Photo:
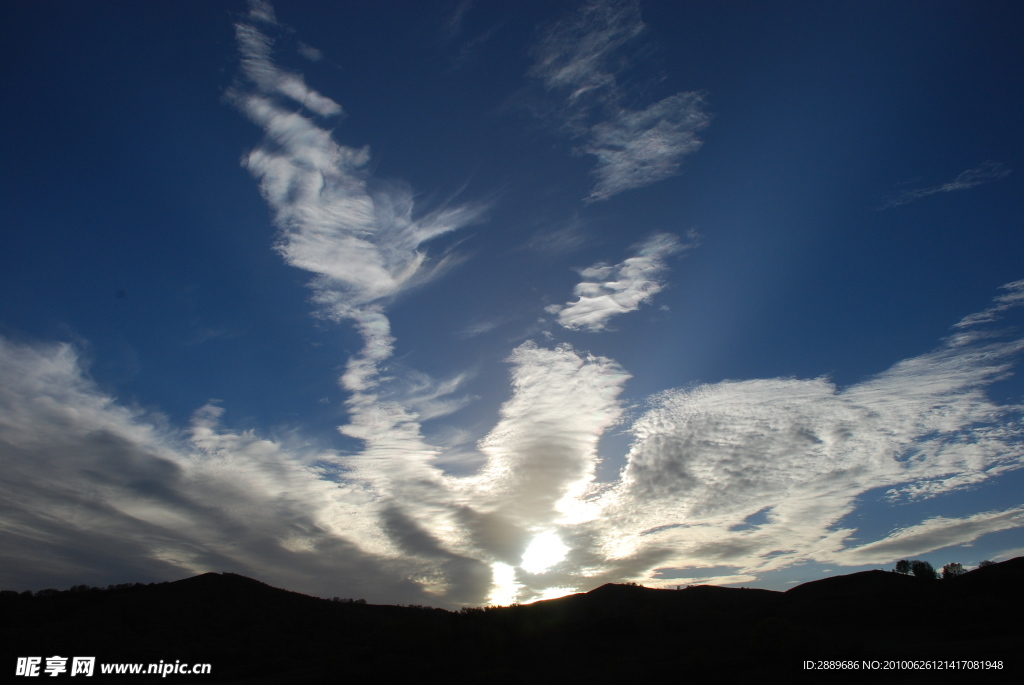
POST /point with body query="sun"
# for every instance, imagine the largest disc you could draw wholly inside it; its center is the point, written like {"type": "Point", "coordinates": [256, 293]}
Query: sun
{"type": "Point", "coordinates": [543, 552]}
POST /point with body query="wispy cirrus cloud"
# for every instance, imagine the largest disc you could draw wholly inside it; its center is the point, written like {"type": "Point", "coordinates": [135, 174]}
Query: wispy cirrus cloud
{"type": "Point", "coordinates": [985, 173]}
{"type": "Point", "coordinates": [610, 290]}
{"type": "Point", "coordinates": [452, 26]}
{"type": "Point", "coordinates": [580, 59]}
{"type": "Point", "coordinates": [309, 52]}
{"type": "Point", "coordinates": [637, 148]}
{"type": "Point", "coordinates": [479, 328]}
{"type": "Point", "coordinates": [262, 11]}
{"type": "Point", "coordinates": [1013, 297]}
{"type": "Point", "coordinates": [931, 534]}
{"type": "Point", "coordinates": [576, 53]}
{"type": "Point", "coordinates": [561, 240]}
{"type": "Point", "coordinates": [361, 240]}
{"type": "Point", "coordinates": [257, 66]}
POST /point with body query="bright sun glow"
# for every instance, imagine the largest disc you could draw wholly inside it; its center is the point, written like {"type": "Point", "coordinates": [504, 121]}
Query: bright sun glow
{"type": "Point", "coordinates": [506, 589]}
{"type": "Point", "coordinates": [544, 551]}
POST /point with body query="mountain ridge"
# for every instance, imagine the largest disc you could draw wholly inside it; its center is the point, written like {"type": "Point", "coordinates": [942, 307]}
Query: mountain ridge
{"type": "Point", "coordinates": [253, 632]}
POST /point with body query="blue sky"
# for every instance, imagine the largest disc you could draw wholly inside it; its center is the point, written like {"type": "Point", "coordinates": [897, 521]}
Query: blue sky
{"type": "Point", "coordinates": [468, 302]}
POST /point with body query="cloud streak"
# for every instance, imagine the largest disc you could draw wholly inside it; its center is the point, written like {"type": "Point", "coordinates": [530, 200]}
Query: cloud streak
{"type": "Point", "coordinates": [580, 59]}
{"type": "Point", "coordinates": [1013, 297]}
{"type": "Point", "coordinates": [985, 173]}
{"type": "Point", "coordinates": [934, 533]}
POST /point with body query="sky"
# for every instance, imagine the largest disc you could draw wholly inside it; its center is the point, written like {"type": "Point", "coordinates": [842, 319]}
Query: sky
{"type": "Point", "coordinates": [475, 302]}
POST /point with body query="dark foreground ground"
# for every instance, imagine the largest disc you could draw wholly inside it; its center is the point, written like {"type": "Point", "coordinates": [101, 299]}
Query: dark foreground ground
{"type": "Point", "coordinates": [253, 633]}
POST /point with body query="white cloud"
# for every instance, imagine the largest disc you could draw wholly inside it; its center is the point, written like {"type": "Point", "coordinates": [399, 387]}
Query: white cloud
{"type": "Point", "coordinates": [542, 454]}
{"type": "Point", "coordinates": [362, 242]}
{"type": "Point", "coordinates": [705, 459]}
{"type": "Point", "coordinates": [635, 149]}
{"type": "Point", "coordinates": [932, 534]}
{"type": "Point", "coordinates": [581, 58]}
{"type": "Point", "coordinates": [364, 245]}
{"type": "Point", "coordinates": [427, 397]}
{"type": "Point", "coordinates": [262, 11]}
{"type": "Point", "coordinates": [672, 583]}
{"type": "Point", "coordinates": [1013, 297]}
{"type": "Point", "coordinates": [309, 52]}
{"type": "Point", "coordinates": [986, 173]}
{"type": "Point", "coordinates": [1007, 554]}
{"type": "Point", "coordinates": [575, 54]}
{"type": "Point", "coordinates": [479, 328]}
{"type": "Point", "coordinates": [611, 290]}
{"type": "Point", "coordinates": [94, 492]}
{"type": "Point", "coordinates": [257, 66]}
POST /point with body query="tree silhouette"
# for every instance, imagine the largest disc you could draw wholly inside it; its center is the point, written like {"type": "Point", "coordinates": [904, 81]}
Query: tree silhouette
{"type": "Point", "coordinates": [952, 570]}
{"type": "Point", "coordinates": [903, 566]}
{"type": "Point", "coordinates": [922, 569]}
{"type": "Point", "coordinates": [986, 563]}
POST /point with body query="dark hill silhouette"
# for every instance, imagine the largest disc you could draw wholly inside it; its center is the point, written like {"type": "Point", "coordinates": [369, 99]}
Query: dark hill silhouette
{"type": "Point", "coordinates": [1011, 571]}
{"type": "Point", "coordinates": [865, 583]}
{"type": "Point", "coordinates": [254, 633]}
